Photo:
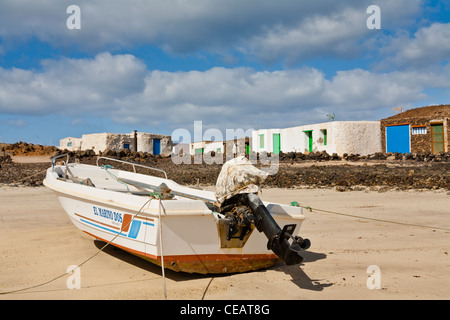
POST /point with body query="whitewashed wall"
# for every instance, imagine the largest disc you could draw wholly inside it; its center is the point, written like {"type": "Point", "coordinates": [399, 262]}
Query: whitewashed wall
{"type": "Point", "coordinates": [145, 142]}
{"type": "Point", "coordinates": [357, 137]}
{"type": "Point", "coordinates": [268, 139]}
{"type": "Point", "coordinates": [70, 143]}
{"type": "Point", "coordinates": [99, 142]}
{"type": "Point", "coordinates": [362, 137]}
{"type": "Point", "coordinates": [115, 141]}
{"type": "Point", "coordinates": [208, 146]}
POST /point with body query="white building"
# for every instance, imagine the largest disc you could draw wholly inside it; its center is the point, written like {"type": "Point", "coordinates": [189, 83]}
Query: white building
{"type": "Point", "coordinates": [70, 143]}
{"type": "Point", "coordinates": [236, 145]}
{"type": "Point", "coordinates": [136, 141]}
{"type": "Point", "coordinates": [202, 147]}
{"type": "Point", "coordinates": [352, 137]}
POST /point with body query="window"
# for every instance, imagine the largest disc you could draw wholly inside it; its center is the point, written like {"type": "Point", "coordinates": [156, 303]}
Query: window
{"type": "Point", "coordinates": [69, 144]}
{"type": "Point", "coordinates": [324, 136]}
{"type": "Point", "coordinates": [126, 146]}
{"type": "Point", "coordinates": [261, 141]}
{"type": "Point", "coordinates": [419, 130]}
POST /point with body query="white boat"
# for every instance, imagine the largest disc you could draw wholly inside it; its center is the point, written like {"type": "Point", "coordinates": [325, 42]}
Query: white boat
{"type": "Point", "coordinates": [159, 220]}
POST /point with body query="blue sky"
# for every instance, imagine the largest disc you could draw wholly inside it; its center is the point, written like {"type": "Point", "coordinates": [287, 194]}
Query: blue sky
{"type": "Point", "coordinates": [160, 65]}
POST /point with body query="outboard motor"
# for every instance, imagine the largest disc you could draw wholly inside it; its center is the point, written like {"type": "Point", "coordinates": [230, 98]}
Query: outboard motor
{"type": "Point", "coordinates": [247, 210]}
{"type": "Point", "coordinates": [236, 192]}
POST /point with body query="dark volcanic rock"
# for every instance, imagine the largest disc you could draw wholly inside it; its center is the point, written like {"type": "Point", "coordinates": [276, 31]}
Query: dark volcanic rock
{"type": "Point", "coordinates": [295, 171]}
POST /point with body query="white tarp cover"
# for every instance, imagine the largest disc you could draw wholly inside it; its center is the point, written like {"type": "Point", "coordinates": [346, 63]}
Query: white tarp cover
{"type": "Point", "coordinates": [237, 176]}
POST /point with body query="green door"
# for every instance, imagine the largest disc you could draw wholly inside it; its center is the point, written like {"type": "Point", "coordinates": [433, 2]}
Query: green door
{"type": "Point", "coordinates": [276, 143]}
{"type": "Point", "coordinates": [200, 151]}
{"type": "Point", "coordinates": [310, 140]}
{"type": "Point", "coordinates": [437, 138]}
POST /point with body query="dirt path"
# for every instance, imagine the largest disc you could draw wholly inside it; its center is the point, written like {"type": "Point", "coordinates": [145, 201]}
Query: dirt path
{"type": "Point", "coordinates": [31, 159]}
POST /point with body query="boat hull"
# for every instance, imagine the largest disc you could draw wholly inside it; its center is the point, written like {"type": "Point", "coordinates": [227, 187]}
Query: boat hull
{"type": "Point", "coordinates": [189, 230]}
{"type": "Point", "coordinates": [207, 263]}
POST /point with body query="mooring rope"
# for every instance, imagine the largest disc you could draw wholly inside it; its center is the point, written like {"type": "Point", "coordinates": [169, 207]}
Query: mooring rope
{"type": "Point", "coordinates": [85, 261]}
{"type": "Point", "coordinates": [310, 209]}
{"type": "Point", "coordinates": [161, 249]}
{"type": "Point", "coordinates": [153, 195]}
{"type": "Point", "coordinates": [27, 177]}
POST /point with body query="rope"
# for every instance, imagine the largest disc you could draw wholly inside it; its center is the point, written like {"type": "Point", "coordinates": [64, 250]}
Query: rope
{"type": "Point", "coordinates": [106, 167]}
{"type": "Point", "coordinates": [161, 249]}
{"type": "Point", "coordinates": [206, 289]}
{"type": "Point", "coordinates": [85, 261]}
{"type": "Point", "coordinates": [40, 172]}
{"type": "Point", "coordinates": [153, 195]}
{"type": "Point", "coordinates": [296, 204]}
{"type": "Point", "coordinates": [27, 177]}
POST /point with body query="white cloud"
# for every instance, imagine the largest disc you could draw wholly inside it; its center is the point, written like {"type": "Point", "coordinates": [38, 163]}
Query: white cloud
{"type": "Point", "coordinates": [335, 35]}
{"type": "Point", "coordinates": [269, 30]}
{"type": "Point", "coordinates": [120, 87]}
{"type": "Point", "coordinates": [429, 45]}
{"type": "Point", "coordinates": [220, 95]}
{"type": "Point", "coordinates": [71, 85]}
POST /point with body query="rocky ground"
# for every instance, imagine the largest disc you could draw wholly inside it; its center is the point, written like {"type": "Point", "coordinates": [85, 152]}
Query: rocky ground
{"type": "Point", "coordinates": [28, 149]}
{"type": "Point", "coordinates": [380, 172]}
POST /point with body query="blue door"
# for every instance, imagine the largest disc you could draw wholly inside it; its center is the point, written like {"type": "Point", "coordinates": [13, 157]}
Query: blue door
{"type": "Point", "coordinates": [156, 146]}
{"type": "Point", "coordinates": [397, 139]}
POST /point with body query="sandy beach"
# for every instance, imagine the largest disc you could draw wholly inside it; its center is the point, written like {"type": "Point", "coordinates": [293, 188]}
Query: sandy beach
{"type": "Point", "coordinates": [38, 243]}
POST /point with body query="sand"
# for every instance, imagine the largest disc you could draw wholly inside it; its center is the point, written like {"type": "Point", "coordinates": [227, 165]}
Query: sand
{"type": "Point", "coordinates": [38, 243]}
{"type": "Point", "coordinates": [31, 159]}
